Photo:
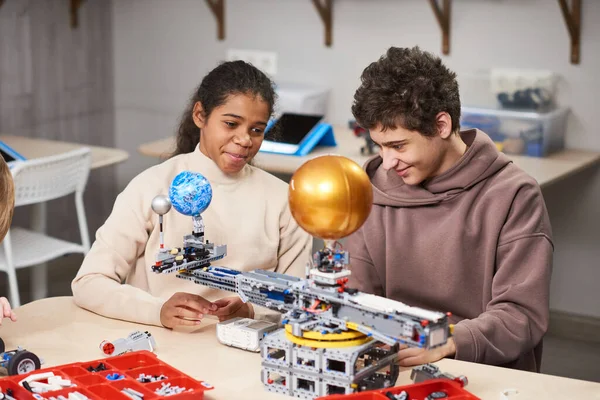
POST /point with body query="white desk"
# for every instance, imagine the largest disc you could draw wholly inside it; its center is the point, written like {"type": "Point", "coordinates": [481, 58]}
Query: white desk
{"type": "Point", "coordinates": [545, 171]}
{"type": "Point", "coordinates": [32, 148]}
{"type": "Point", "coordinates": [60, 333]}
{"type": "Point", "coordinates": [35, 148]}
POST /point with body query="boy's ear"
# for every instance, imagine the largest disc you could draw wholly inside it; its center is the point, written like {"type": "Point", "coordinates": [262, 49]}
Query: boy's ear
{"type": "Point", "coordinates": [198, 115]}
{"type": "Point", "coordinates": [443, 122]}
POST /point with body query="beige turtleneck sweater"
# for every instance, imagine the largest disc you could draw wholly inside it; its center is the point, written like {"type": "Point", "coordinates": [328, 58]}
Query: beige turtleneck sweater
{"type": "Point", "coordinates": [249, 213]}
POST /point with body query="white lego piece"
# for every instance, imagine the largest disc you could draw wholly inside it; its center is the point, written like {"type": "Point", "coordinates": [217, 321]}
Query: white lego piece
{"type": "Point", "coordinates": [136, 341]}
{"type": "Point", "coordinates": [35, 377]}
{"type": "Point", "coordinates": [77, 396]}
{"type": "Point", "coordinates": [41, 387]}
{"type": "Point", "coordinates": [131, 395]}
{"type": "Point", "coordinates": [244, 333]}
{"type": "Point", "coordinates": [58, 380]}
{"type": "Point", "coordinates": [329, 278]}
{"type": "Point", "coordinates": [134, 392]}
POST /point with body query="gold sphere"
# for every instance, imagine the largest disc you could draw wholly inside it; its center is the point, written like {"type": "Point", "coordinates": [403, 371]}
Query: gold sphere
{"type": "Point", "coordinates": [330, 197]}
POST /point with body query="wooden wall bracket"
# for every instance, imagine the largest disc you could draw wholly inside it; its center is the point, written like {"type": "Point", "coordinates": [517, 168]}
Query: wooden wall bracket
{"type": "Point", "coordinates": [218, 9]}
{"type": "Point", "coordinates": [74, 11]}
{"type": "Point", "coordinates": [573, 21]}
{"type": "Point", "coordinates": [325, 11]}
{"type": "Point", "coordinates": [443, 18]}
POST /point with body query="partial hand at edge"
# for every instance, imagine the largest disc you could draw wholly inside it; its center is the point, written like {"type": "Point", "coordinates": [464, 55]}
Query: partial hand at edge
{"type": "Point", "coordinates": [412, 356]}
{"type": "Point", "coordinates": [7, 311]}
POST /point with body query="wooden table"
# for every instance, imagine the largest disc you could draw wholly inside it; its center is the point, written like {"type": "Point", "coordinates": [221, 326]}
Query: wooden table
{"type": "Point", "coordinates": [59, 332]}
{"type": "Point", "coordinates": [36, 148]}
{"type": "Point", "coordinates": [545, 171]}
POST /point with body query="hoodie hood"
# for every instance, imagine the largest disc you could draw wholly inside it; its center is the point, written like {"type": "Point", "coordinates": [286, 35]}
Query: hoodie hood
{"type": "Point", "coordinates": [481, 160]}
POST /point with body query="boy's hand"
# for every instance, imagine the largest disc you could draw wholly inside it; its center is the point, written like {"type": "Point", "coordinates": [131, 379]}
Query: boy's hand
{"type": "Point", "coordinates": [7, 311]}
{"type": "Point", "coordinates": [185, 309]}
{"type": "Point", "coordinates": [411, 357]}
{"type": "Point", "coordinates": [232, 307]}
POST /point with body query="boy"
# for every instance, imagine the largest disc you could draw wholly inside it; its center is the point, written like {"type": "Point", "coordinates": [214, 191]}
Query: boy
{"type": "Point", "coordinates": [455, 225]}
{"type": "Point", "coordinates": [7, 206]}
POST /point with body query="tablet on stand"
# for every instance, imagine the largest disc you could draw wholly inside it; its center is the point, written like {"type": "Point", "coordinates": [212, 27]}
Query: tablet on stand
{"type": "Point", "coordinates": [297, 134]}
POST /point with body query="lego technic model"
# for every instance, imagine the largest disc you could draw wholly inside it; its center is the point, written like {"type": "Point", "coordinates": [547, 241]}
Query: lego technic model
{"type": "Point", "coordinates": [334, 339]}
{"type": "Point", "coordinates": [134, 342]}
{"type": "Point", "coordinates": [19, 361]}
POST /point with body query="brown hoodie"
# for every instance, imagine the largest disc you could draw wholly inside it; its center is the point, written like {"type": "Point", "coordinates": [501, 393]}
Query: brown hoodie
{"type": "Point", "coordinates": [475, 241]}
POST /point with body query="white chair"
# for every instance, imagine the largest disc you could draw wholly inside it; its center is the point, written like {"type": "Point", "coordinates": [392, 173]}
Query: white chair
{"type": "Point", "coordinates": [36, 182]}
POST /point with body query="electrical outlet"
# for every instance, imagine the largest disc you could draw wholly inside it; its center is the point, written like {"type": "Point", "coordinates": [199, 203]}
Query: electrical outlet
{"type": "Point", "coordinates": [266, 61]}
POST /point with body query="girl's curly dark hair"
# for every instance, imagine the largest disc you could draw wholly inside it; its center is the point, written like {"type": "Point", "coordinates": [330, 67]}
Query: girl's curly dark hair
{"type": "Point", "coordinates": [407, 87]}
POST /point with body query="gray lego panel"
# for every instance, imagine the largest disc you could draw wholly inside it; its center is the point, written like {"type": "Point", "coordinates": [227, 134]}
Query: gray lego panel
{"type": "Point", "coordinates": [333, 386]}
{"type": "Point", "coordinates": [306, 386]}
{"type": "Point", "coordinates": [276, 350]}
{"type": "Point", "coordinates": [277, 275]}
{"type": "Point", "coordinates": [306, 359]}
{"type": "Point", "coordinates": [276, 380]}
{"type": "Point", "coordinates": [190, 277]}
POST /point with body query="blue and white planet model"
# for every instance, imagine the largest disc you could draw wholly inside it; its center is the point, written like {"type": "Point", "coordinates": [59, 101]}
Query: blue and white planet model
{"type": "Point", "coordinates": [190, 193]}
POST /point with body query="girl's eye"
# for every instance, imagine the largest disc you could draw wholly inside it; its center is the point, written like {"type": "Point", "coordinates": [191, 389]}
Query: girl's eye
{"type": "Point", "coordinates": [230, 124]}
{"type": "Point", "coordinates": [257, 130]}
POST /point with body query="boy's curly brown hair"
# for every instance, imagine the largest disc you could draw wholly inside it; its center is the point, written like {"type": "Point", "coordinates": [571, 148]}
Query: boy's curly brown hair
{"type": "Point", "coordinates": [7, 198]}
{"type": "Point", "coordinates": [407, 87]}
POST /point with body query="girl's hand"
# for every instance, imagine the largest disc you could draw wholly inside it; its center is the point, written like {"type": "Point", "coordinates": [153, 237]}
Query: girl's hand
{"type": "Point", "coordinates": [232, 307]}
{"type": "Point", "coordinates": [185, 309]}
{"type": "Point", "coordinates": [7, 311]}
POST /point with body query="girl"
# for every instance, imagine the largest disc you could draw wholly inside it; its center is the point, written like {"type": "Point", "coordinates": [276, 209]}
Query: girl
{"type": "Point", "coordinates": [7, 208]}
{"type": "Point", "coordinates": [221, 131]}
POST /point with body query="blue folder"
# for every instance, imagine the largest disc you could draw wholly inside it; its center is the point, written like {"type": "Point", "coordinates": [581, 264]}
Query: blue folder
{"type": "Point", "coordinates": [10, 155]}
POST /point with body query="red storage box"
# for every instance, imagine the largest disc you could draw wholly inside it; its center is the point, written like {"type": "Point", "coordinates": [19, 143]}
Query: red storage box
{"type": "Point", "coordinates": [417, 391]}
{"type": "Point", "coordinates": [130, 369]}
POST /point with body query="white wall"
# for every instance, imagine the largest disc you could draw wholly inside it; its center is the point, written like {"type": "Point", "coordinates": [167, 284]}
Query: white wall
{"type": "Point", "coordinates": [163, 48]}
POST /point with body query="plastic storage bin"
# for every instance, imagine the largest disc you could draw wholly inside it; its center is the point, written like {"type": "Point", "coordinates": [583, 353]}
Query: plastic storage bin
{"type": "Point", "coordinates": [120, 373]}
{"type": "Point", "coordinates": [427, 390]}
{"type": "Point", "coordinates": [520, 132]}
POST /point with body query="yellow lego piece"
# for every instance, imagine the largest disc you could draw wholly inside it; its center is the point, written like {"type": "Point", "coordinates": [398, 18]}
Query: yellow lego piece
{"type": "Point", "coordinates": [329, 336]}
{"type": "Point", "coordinates": [301, 341]}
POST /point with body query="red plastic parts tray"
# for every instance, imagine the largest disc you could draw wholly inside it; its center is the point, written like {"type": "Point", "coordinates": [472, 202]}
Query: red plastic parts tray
{"type": "Point", "coordinates": [96, 385]}
{"type": "Point", "coordinates": [416, 391]}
